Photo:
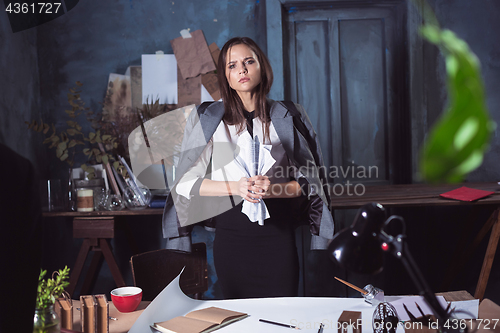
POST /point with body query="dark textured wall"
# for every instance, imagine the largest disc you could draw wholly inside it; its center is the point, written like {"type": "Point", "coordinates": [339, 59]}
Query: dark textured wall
{"type": "Point", "coordinates": [20, 91]}
{"type": "Point", "coordinates": [101, 37]}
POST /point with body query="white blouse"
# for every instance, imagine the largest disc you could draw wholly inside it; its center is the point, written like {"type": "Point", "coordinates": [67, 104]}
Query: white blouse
{"type": "Point", "coordinates": [221, 151]}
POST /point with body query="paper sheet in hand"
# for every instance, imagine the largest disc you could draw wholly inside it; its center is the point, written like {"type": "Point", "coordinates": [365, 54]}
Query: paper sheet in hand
{"type": "Point", "coordinates": [254, 159]}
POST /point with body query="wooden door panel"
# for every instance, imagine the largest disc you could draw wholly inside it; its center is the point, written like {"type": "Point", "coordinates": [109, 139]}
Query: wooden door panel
{"type": "Point", "coordinates": [342, 63]}
{"type": "Point", "coordinates": [363, 106]}
{"type": "Point", "coordinates": [340, 68]}
{"type": "Point", "coordinates": [313, 77]}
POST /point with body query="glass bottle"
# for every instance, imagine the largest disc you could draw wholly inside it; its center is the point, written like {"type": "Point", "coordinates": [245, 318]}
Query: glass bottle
{"type": "Point", "coordinates": [46, 321]}
{"type": "Point", "coordinates": [71, 192]}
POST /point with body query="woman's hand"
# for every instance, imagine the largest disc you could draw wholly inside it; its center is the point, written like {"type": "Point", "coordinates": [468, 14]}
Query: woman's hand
{"type": "Point", "coordinates": [254, 188]}
{"type": "Point", "coordinates": [262, 183]}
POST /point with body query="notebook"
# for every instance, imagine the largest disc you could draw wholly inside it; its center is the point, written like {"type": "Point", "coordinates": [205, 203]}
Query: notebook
{"type": "Point", "coordinates": [199, 321]}
{"type": "Point", "coordinates": [466, 194]}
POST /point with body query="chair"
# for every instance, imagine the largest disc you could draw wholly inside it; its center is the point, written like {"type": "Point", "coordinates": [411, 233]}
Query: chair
{"type": "Point", "coordinates": [153, 271]}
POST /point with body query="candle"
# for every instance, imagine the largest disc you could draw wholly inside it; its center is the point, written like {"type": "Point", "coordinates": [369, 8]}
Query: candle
{"type": "Point", "coordinates": [85, 200]}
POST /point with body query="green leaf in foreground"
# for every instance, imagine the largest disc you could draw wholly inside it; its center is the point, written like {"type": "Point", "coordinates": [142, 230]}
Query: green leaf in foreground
{"type": "Point", "coordinates": [458, 141]}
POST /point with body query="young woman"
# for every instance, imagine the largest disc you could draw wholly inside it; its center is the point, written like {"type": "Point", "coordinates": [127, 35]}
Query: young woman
{"type": "Point", "coordinates": [251, 259]}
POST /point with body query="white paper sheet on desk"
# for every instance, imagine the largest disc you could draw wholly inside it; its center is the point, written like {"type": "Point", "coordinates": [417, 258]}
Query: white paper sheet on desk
{"type": "Point", "coordinates": [305, 312]}
{"type": "Point", "coordinates": [466, 309]}
{"type": "Point", "coordinates": [170, 303]}
{"type": "Point", "coordinates": [409, 301]}
{"type": "Point", "coordinates": [253, 150]}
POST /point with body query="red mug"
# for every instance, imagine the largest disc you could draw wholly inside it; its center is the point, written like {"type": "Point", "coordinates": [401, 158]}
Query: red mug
{"type": "Point", "coordinates": [126, 299]}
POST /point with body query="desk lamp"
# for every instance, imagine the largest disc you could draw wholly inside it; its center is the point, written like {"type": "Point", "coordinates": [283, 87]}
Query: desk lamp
{"type": "Point", "coordinates": [360, 249]}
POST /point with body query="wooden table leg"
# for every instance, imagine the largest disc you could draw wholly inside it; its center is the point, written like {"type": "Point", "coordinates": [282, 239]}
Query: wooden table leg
{"type": "Point", "coordinates": [91, 276]}
{"type": "Point", "coordinates": [110, 259]}
{"type": "Point", "coordinates": [77, 269]}
{"type": "Point", "coordinates": [488, 258]}
{"type": "Point", "coordinates": [461, 258]}
{"type": "Point", "coordinates": [458, 261]}
{"type": "Point", "coordinates": [95, 231]}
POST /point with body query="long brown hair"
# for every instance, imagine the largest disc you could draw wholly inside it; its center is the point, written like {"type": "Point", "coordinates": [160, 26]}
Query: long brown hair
{"type": "Point", "coordinates": [233, 106]}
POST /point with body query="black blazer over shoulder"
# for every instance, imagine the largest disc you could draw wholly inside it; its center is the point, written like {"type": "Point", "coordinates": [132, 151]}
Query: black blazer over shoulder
{"type": "Point", "coordinates": [302, 147]}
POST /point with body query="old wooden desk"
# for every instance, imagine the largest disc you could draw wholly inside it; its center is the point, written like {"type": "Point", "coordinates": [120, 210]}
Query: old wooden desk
{"type": "Point", "coordinates": [409, 195]}
{"type": "Point", "coordinates": [487, 310]}
{"type": "Point", "coordinates": [96, 228]}
{"type": "Point", "coordinates": [412, 195]}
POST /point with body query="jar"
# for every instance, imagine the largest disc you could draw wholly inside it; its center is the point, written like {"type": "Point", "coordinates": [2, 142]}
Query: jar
{"type": "Point", "coordinates": [373, 295]}
{"type": "Point", "coordinates": [46, 321]}
{"type": "Point", "coordinates": [100, 198]}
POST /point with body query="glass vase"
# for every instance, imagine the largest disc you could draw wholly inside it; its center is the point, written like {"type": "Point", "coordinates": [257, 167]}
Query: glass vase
{"type": "Point", "coordinates": [114, 202]}
{"type": "Point", "coordinates": [137, 197]}
{"type": "Point", "coordinates": [46, 321]}
{"type": "Point", "coordinates": [71, 204]}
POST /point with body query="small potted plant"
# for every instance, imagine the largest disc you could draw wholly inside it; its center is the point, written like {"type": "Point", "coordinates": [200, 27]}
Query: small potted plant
{"type": "Point", "coordinates": [46, 319]}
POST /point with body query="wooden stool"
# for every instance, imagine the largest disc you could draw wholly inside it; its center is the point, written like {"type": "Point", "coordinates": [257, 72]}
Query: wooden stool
{"type": "Point", "coordinates": [95, 231]}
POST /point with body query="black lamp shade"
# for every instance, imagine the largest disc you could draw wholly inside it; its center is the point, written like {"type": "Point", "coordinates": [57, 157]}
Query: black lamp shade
{"type": "Point", "coordinates": [358, 248]}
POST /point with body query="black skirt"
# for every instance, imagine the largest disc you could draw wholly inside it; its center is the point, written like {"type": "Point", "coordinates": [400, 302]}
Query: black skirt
{"type": "Point", "coordinates": [253, 260]}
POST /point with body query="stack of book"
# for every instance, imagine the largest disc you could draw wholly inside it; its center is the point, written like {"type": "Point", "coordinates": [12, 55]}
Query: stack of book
{"type": "Point", "coordinates": [94, 313]}
{"type": "Point", "coordinates": [158, 201]}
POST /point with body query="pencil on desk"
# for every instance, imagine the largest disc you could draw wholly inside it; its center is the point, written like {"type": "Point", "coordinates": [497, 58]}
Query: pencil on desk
{"type": "Point", "coordinates": [279, 324]}
{"type": "Point", "coordinates": [412, 317]}
{"type": "Point", "coordinates": [364, 292]}
{"type": "Point", "coordinates": [420, 310]}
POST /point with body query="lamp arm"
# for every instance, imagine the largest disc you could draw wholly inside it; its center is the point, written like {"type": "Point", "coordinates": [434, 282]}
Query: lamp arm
{"type": "Point", "coordinates": [419, 281]}
{"type": "Point", "coordinates": [399, 249]}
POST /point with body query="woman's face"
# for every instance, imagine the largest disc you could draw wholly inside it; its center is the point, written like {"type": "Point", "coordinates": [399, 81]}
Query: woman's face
{"type": "Point", "coordinates": [242, 69]}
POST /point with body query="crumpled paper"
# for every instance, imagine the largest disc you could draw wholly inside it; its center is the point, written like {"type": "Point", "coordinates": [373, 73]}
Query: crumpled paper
{"type": "Point", "coordinates": [254, 158]}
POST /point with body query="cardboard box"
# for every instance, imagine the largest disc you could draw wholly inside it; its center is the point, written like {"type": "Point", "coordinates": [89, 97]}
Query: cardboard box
{"type": "Point", "coordinates": [349, 319]}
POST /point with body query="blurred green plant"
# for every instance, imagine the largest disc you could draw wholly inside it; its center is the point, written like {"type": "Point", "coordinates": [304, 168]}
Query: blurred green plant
{"type": "Point", "coordinates": [458, 141]}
